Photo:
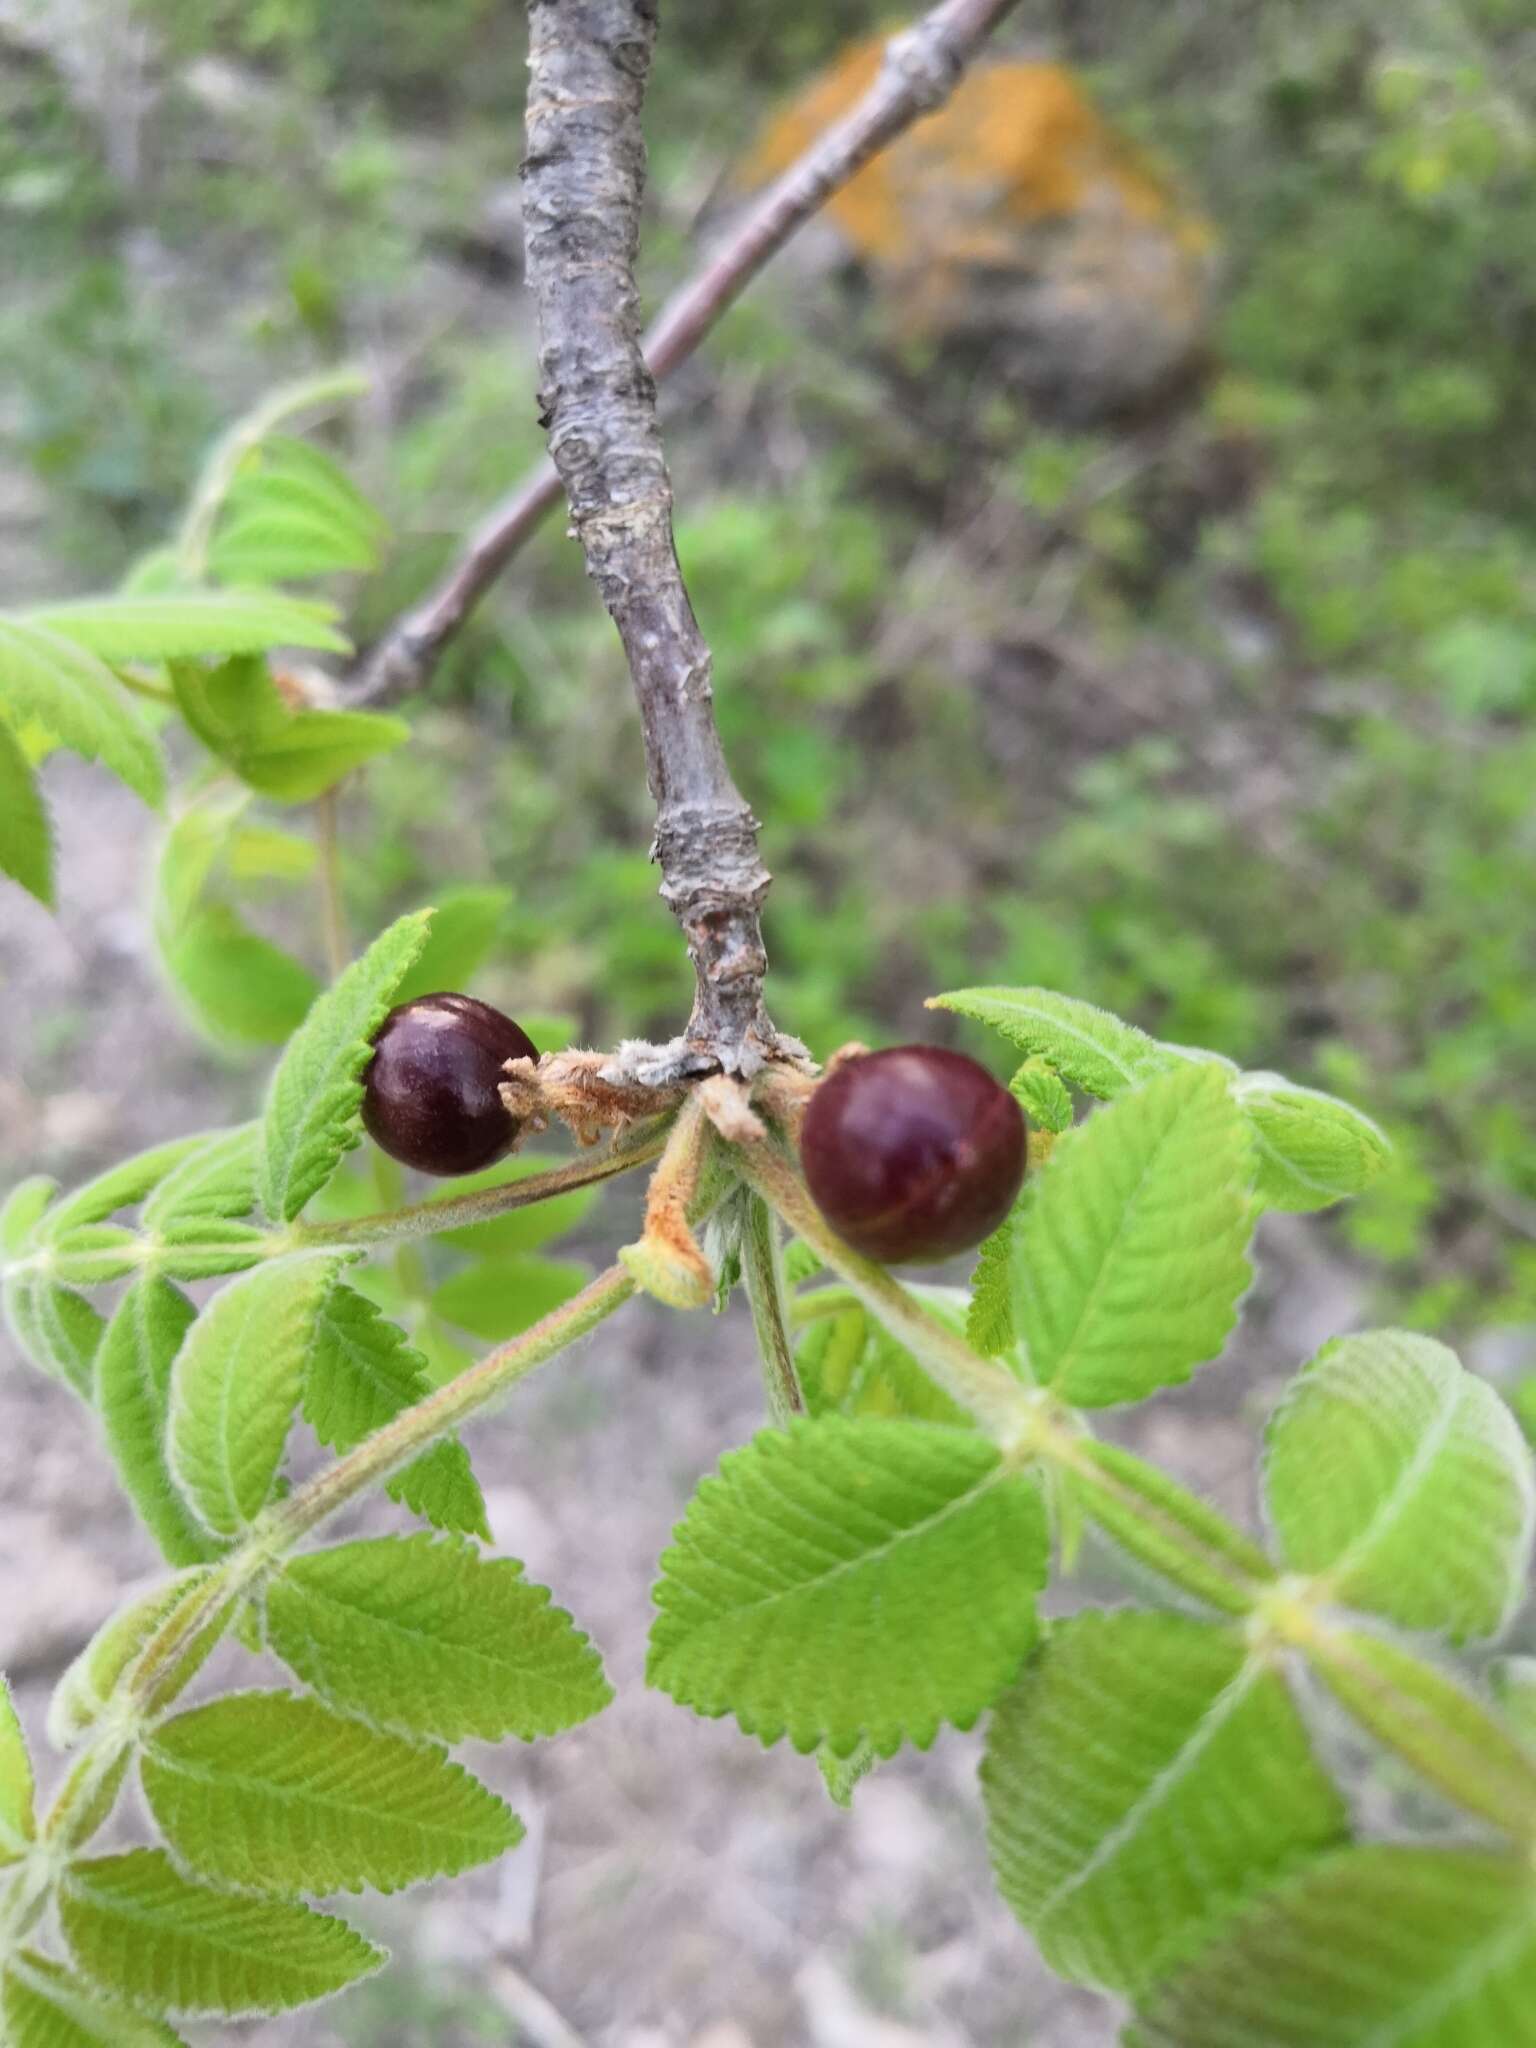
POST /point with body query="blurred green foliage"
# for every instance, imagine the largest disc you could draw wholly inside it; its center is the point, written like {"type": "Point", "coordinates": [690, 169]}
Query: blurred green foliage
{"type": "Point", "coordinates": [1225, 723]}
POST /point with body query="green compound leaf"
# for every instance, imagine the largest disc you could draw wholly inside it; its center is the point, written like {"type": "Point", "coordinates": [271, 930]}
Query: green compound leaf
{"type": "Point", "coordinates": [238, 712]}
{"type": "Point", "coordinates": [133, 1398]}
{"type": "Point", "coordinates": [49, 680]}
{"type": "Point", "coordinates": [1130, 1259]}
{"type": "Point", "coordinates": [170, 626]}
{"type": "Point", "coordinates": [1142, 1780]}
{"type": "Point", "coordinates": [45, 2006]}
{"type": "Point", "coordinates": [424, 1634]}
{"type": "Point", "coordinates": [1405, 1480]}
{"type": "Point", "coordinates": [844, 1580]}
{"type": "Point", "coordinates": [278, 1794]}
{"type": "Point", "coordinates": [86, 1687]}
{"type": "Point", "coordinates": [314, 1104]}
{"type": "Point", "coordinates": [236, 1385]}
{"type": "Point", "coordinates": [1158, 1523]}
{"type": "Point", "coordinates": [54, 1327]}
{"type": "Point", "coordinates": [23, 1210]}
{"type": "Point", "coordinates": [26, 839]}
{"type": "Point", "coordinates": [360, 1374]}
{"type": "Point", "coordinates": [465, 926]}
{"type": "Point", "coordinates": [134, 1924]}
{"type": "Point", "coordinates": [1311, 1148]}
{"type": "Point", "coordinates": [216, 1182]}
{"type": "Point", "coordinates": [1094, 1050]}
{"type": "Point", "coordinates": [17, 1826]}
{"type": "Point", "coordinates": [1375, 1947]}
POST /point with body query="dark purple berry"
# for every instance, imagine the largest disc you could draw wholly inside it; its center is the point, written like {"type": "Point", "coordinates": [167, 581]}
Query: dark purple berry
{"type": "Point", "coordinates": [913, 1154]}
{"type": "Point", "coordinates": [430, 1094]}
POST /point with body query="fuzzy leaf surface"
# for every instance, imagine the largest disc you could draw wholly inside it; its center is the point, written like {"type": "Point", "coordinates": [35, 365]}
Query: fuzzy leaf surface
{"type": "Point", "coordinates": [17, 1790]}
{"type": "Point", "coordinates": [26, 838]}
{"type": "Point", "coordinates": [359, 1374]}
{"type": "Point", "coordinates": [424, 1634]}
{"type": "Point", "coordinates": [1406, 1480]}
{"type": "Point", "coordinates": [1311, 1149]}
{"type": "Point", "coordinates": [840, 1580]}
{"type": "Point", "coordinates": [23, 1210]}
{"type": "Point", "coordinates": [45, 2006]}
{"type": "Point", "coordinates": [1381, 1946]}
{"type": "Point", "coordinates": [216, 1182]}
{"type": "Point", "coordinates": [1197, 1786]}
{"type": "Point", "coordinates": [133, 1398]}
{"type": "Point", "coordinates": [274, 1793]}
{"type": "Point", "coordinates": [135, 1925]}
{"type": "Point", "coordinates": [236, 1385]}
{"type": "Point", "coordinates": [314, 1104]}
{"type": "Point", "coordinates": [291, 755]}
{"type": "Point", "coordinates": [169, 625]}
{"type": "Point", "coordinates": [47, 679]}
{"type": "Point", "coordinates": [1131, 1256]}
{"type": "Point", "coordinates": [1093, 1049]}
{"type": "Point", "coordinates": [57, 1329]}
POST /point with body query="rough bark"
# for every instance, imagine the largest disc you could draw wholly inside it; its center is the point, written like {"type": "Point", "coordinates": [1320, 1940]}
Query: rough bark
{"type": "Point", "coordinates": [582, 184]}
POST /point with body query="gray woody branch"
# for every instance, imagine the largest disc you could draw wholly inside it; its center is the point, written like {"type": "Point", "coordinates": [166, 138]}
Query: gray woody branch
{"type": "Point", "coordinates": [582, 182]}
{"type": "Point", "coordinates": [923, 65]}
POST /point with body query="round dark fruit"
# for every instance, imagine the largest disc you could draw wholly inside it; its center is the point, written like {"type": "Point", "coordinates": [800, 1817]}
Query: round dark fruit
{"type": "Point", "coordinates": [913, 1154]}
{"type": "Point", "coordinates": [430, 1092]}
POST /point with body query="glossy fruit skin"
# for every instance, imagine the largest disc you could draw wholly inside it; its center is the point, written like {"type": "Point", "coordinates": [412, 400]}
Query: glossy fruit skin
{"type": "Point", "coordinates": [430, 1095]}
{"type": "Point", "coordinates": [913, 1154]}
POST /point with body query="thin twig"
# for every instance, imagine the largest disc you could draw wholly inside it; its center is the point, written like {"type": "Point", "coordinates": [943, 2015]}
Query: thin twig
{"type": "Point", "coordinates": [582, 182]}
{"type": "Point", "coordinates": [922, 68]}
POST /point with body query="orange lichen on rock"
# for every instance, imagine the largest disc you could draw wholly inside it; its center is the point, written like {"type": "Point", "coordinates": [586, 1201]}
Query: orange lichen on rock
{"type": "Point", "coordinates": [1016, 208]}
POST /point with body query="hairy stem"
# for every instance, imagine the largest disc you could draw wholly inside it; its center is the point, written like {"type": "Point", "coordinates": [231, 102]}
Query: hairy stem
{"type": "Point", "coordinates": [167, 1662]}
{"type": "Point", "coordinates": [637, 1147]}
{"type": "Point", "coordinates": [763, 1271]}
{"type": "Point", "coordinates": [381, 1455]}
{"type": "Point", "coordinates": [923, 66]}
{"type": "Point", "coordinates": [582, 182]}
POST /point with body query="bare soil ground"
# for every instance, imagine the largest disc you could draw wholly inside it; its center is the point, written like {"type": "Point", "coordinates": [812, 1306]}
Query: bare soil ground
{"type": "Point", "coordinates": [680, 1887]}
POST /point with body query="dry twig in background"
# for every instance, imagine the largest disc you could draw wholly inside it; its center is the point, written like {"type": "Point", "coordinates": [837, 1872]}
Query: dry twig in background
{"type": "Point", "coordinates": [923, 65]}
